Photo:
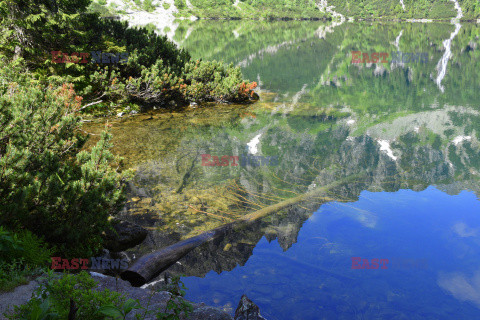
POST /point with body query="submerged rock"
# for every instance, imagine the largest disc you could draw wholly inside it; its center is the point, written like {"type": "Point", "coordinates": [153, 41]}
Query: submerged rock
{"type": "Point", "coordinates": [247, 310]}
{"type": "Point", "coordinates": [202, 312]}
{"type": "Point", "coordinates": [127, 235]}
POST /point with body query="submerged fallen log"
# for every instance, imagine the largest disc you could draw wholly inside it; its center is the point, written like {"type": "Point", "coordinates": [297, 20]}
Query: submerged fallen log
{"type": "Point", "coordinates": [151, 265]}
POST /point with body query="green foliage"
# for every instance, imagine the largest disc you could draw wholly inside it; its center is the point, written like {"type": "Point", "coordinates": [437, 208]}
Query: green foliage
{"type": "Point", "coordinates": [119, 312]}
{"type": "Point", "coordinates": [286, 8]}
{"type": "Point", "coordinates": [251, 9]}
{"type": "Point", "coordinates": [27, 27]}
{"type": "Point", "coordinates": [417, 9]}
{"type": "Point", "coordinates": [15, 273]}
{"type": "Point", "coordinates": [264, 9]}
{"type": "Point", "coordinates": [22, 255]}
{"type": "Point", "coordinates": [180, 4]}
{"type": "Point", "coordinates": [47, 185]}
{"type": "Point", "coordinates": [150, 55]}
{"type": "Point", "coordinates": [108, 82]}
{"type": "Point", "coordinates": [310, 58]}
{"type": "Point", "coordinates": [23, 245]}
{"type": "Point", "coordinates": [213, 81]}
{"type": "Point", "coordinates": [148, 6]}
{"type": "Point", "coordinates": [176, 305]}
{"type": "Point", "coordinates": [42, 310]}
{"type": "Point", "coordinates": [57, 296]}
{"type": "Point", "coordinates": [156, 85]}
{"type": "Point", "coordinates": [9, 245]}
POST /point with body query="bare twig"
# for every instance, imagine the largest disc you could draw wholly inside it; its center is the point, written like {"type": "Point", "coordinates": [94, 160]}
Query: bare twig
{"type": "Point", "coordinates": [90, 104]}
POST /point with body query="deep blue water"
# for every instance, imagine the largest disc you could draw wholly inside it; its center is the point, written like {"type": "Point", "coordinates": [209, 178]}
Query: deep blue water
{"type": "Point", "coordinates": [436, 233]}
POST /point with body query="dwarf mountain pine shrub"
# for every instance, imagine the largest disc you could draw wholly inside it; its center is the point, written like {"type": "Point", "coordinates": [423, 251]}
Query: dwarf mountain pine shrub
{"type": "Point", "coordinates": [48, 185]}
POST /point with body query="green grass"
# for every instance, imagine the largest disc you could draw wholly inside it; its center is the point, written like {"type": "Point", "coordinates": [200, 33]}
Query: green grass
{"type": "Point", "coordinates": [15, 274]}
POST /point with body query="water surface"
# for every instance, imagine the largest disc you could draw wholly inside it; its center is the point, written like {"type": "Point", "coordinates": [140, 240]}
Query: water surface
{"type": "Point", "coordinates": [409, 131]}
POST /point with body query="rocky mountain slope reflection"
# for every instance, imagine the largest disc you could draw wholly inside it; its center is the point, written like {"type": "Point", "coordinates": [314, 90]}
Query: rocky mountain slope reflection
{"type": "Point", "coordinates": [323, 117]}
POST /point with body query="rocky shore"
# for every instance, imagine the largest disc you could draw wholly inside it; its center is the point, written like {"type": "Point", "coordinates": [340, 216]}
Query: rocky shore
{"type": "Point", "coordinates": [149, 299]}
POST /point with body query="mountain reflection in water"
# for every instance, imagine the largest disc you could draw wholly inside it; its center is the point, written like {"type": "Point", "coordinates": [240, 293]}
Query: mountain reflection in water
{"type": "Point", "coordinates": [324, 118]}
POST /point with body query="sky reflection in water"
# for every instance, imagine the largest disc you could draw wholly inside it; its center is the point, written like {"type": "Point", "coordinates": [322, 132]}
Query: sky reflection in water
{"type": "Point", "coordinates": [314, 278]}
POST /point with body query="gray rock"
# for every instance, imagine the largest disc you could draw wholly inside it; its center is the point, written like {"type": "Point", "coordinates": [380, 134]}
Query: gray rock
{"type": "Point", "coordinates": [127, 235]}
{"type": "Point", "coordinates": [202, 312]}
{"type": "Point", "coordinates": [247, 310]}
{"type": "Point", "coordinates": [20, 295]}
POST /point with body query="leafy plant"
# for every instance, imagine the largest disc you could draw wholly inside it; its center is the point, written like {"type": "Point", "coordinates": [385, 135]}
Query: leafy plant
{"type": "Point", "coordinates": [213, 81]}
{"type": "Point", "coordinates": [9, 245]}
{"type": "Point", "coordinates": [74, 296]}
{"type": "Point", "coordinates": [15, 273]}
{"type": "Point", "coordinates": [42, 310]}
{"type": "Point", "coordinates": [176, 305]}
{"type": "Point", "coordinates": [119, 312]}
{"type": "Point", "coordinates": [22, 255]}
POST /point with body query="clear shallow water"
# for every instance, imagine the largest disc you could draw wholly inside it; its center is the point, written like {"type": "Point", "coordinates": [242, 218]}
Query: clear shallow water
{"type": "Point", "coordinates": [407, 134]}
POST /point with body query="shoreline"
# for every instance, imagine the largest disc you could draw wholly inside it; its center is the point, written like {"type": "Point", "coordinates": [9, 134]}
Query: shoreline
{"type": "Point", "coordinates": [151, 299]}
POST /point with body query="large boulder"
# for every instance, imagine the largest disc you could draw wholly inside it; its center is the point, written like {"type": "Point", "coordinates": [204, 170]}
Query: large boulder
{"type": "Point", "coordinates": [124, 236]}
{"type": "Point", "coordinates": [247, 310]}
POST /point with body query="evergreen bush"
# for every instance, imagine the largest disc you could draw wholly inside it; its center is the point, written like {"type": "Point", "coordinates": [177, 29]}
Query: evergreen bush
{"type": "Point", "coordinates": [48, 185]}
